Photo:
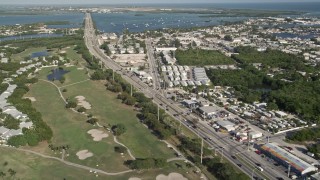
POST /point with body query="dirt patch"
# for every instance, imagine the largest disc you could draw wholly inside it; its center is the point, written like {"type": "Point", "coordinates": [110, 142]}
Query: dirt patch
{"type": "Point", "coordinates": [32, 99]}
{"type": "Point", "coordinates": [133, 59]}
{"type": "Point", "coordinates": [134, 178]}
{"type": "Point", "coordinates": [171, 176]}
{"type": "Point", "coordinates": [97, 134]}
{"type": "Point", "coordinates": [82, 102]}
{"type": "Point", "coordinates": [84, 154]}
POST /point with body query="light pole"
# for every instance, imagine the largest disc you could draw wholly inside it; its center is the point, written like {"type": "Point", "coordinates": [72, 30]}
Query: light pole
{"type": "Point", "coordinates": [201, 149]}
{"type": "Point", "coordinates": [221, 159]}
{"type": "Point", "coordinates": [253, 172]}
{"type": "Point", "coordinates": [289, 168]}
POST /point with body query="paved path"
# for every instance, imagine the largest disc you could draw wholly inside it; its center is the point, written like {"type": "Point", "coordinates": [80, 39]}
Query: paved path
{"type": "Point", "coordinates": [57, 88]}
{"type": "Point", "coordinates": [182, 158]}
{"type": "Point", "coordinates": [129, 152]}
{"type": "Point", "coordinates": [177, 159]}
{"type": "Point", "coordinates": [70, 163]}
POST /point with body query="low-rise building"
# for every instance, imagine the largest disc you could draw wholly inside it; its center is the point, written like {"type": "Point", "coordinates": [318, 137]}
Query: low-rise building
{"type": "Point", "coordinates": [207, 111]}
{"type": "Point", "coordinates": [226, 125]}
{"type": "Point", "coordinates": [286, 158]}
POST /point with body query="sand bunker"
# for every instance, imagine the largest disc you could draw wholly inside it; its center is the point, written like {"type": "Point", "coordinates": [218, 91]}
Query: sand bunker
{"type": "Point", "coordinates": [82, 102]}
{"type": "Point", "coordinates": [171, 176]}
{"type": "Point", "coordinates": [32, 99]}
{"type": "Point", "coordinates": [134, 178]}
{"type": "Point", "coordinates": [97, 134]}
{"type": "Point", "coordinates": [84, 154]}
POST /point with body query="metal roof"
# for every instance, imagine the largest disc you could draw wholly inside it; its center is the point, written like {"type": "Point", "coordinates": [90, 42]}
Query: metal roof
{"type": "Point", "coordinates": [295, 162]}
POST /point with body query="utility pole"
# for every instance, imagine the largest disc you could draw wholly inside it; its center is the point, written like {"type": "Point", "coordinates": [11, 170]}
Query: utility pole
{"type": "Point", "coordinates": [201, 149]}
{"type": "Point", "coordinates": [221, 159]}
{"type": "Point", "coordinates": [248, 142]}
{"type": "Point", "coordinates": [268, 139]}
{"type": "Point", "coordinates": [289, 168]}
{"type": "Point", "coordinates": [158, 113]}
{"type": "Point", "coordinates": [252, 173]}
{"type": "Point", "coordinates": [180, 126]}
{"type": "Point", "coordinates": [131, 90]}
{"type": "Point", "coordinates": [112, 74]}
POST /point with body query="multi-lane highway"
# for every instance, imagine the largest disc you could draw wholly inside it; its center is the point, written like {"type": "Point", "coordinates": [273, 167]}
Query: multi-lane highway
{"type": "Point", "coordinates": [234, 152]}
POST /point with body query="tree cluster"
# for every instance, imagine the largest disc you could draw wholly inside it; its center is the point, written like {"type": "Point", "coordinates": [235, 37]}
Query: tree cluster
{"type": "Point", "coordinates": [193, 145]}
{"type": "Point", "coordinates": [200, 57]}
{"type": "Point", "coordinates": [118, 129]}
{"type": "Point", "coordinates": [120, 149]}
{"type": "Point", "coordinates": [148, 163]}
{"type": "Point", "coordinates": [127, 99]}
{"type": "Point", "coordinates": [302, 135]}
{"type": "Point", "coordinates": [223, 170]}
{"type": "Point", "coordinates": [41, 131]}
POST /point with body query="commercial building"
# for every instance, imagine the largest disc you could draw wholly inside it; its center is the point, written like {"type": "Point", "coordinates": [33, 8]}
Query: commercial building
{"type": "Point", "coordinates": [190, 103]}
{"type": "Point", "coordinates": [255, 134]}
{"type": "Point", "coordinates": [207, 111]}
{"type": "Point", "coordinates": [226, 125]}
{"type": "Point", "coordinates": [284, 157]}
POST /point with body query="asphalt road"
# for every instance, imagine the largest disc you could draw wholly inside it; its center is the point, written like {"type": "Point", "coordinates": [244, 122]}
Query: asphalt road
{"type": "Point", "coordinates": [223, 145]}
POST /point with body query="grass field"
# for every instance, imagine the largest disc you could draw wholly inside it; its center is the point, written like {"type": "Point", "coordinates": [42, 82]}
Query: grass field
{"type": "Point", "coordinates": [107, 108]}
{"type": "Point", "coordinates": [20, 56]}
{"type": "Point", "coordinates": [74, 75]}
{"type": "Point", "coordinates": [70, 128]}
{"type": "Point", "coordinates": [29, 166]}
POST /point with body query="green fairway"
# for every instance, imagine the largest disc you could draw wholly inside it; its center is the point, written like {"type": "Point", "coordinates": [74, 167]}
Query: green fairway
{"type": "Point", "coordinates": [34, 167]}
{"type": "Point", "coordinates": [70, 128]}
{"type": "Point", "coordinates": [109, 110]}
{"type": "Point", "coordinates": [29, 166]}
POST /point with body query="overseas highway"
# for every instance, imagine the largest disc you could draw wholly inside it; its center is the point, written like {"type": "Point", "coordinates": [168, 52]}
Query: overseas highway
{"type": "Point", "coordinates": [232, 151]}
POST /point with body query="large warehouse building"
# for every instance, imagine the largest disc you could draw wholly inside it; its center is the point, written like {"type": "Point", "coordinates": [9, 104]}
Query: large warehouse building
{"type": "Point", "coordinates": [284, 157]}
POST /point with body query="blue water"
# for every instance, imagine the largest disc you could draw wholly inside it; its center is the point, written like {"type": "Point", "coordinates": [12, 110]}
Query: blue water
{"type": "Point", "coordinates": [117, 22]}
{"type": "Point", "coordinates": [56, 74]}
{"type": "Point", "coordinates": [290, 35]}
{"type": "Point", "coordinates": [289, 6]}
{"type": "Point", "coordinates": [39, 54]}
{"type": "Point", "coordinates": [29, 36]}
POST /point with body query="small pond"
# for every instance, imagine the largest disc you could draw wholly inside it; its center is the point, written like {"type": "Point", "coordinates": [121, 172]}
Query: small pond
{"type": "Point", "coordinates": [56, 74]}
{"type": "Point", "coordinates": [39, 54]}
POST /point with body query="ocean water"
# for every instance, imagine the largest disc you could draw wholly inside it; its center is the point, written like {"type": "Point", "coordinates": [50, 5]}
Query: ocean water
{"type": "Point", "coordinates": [139, 22]}
{"type": "Point", "coordinates": [288, 6]}
{"type": "Point", "coordinates": [142, 21]}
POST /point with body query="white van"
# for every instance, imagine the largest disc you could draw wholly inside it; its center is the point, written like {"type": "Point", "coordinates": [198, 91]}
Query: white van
{"type": "Point", "coordinates": [260, 168]}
